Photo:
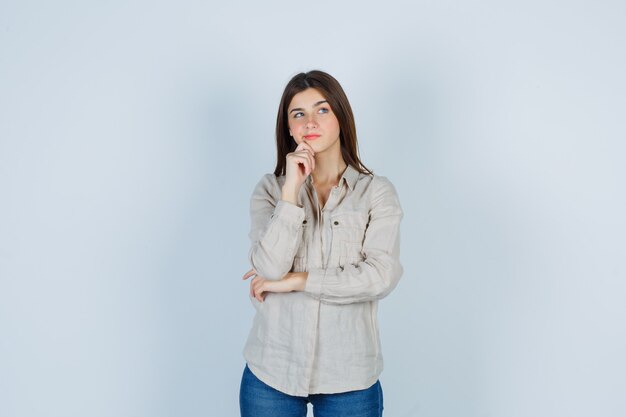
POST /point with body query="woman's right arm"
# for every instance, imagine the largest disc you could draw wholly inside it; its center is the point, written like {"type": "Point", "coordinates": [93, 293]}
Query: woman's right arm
{"type": "Point", "coordinates": [276, 218]}
{"type": "Point", "coordinates": [275, 230]}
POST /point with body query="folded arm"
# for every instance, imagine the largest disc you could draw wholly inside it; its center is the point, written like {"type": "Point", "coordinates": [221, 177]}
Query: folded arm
{"type": "Point", "coordinates": [379, 272]}
{"type": "Point", "coordinates": [276, 230]}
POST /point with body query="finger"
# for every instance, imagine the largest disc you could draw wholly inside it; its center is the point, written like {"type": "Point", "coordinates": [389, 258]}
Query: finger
{"type": "Point", "coordinates": [258, 294]}
{"type": "Point", "coordinates": [258, 289]}
{"type": "Point", "coordinates": [301, 155]}
{"type": "Point", "coordinates": [261, 293]}
{"type": "Point", "coordinates": [305, 145]}
{"type": "Point", "coordinates": [309, 149]}
{"type": "Point", "coordinates": [311, 160]}
{"type": "Point", "coordinates": [249, 274]}
{"type": "Point", "coordinates": [310, 152]}
{"type": "Point", "coordinates": [307, 168]}
{"type": "Point", "coordinates": [306, 152]}
{"type": "Point", "coordinates": [255, 284]}
{"type": "Point", "coordinates": [303, 160]}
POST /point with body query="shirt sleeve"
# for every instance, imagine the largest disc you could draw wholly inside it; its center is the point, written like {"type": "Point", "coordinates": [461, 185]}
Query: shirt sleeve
{"type": "Point", "coordinates": [378, 274]}
{"type": "Point", "coordinates": [276, 230]}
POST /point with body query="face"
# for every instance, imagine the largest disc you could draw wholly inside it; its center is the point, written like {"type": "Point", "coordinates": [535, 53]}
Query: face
{"type": "Point", "coordinates": [312, 120]}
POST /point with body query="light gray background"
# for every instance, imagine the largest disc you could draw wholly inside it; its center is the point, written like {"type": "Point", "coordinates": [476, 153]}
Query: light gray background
{"type": "Point", "coordinates": [132, 134]}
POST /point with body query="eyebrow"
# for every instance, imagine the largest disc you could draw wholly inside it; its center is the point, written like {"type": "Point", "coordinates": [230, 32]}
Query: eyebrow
{"type": "Point", "coordinates": [316, 104]}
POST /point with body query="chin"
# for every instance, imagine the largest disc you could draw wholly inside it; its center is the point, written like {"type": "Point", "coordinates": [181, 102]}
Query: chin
{"type": "Point", "coordinates": [315, 147]}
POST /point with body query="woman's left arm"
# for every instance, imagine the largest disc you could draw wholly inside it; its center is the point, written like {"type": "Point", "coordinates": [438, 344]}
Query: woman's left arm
{"type": "Point", "coordinates": [371, 279]}
{"type": "Point", "coordinates": [378, 274]}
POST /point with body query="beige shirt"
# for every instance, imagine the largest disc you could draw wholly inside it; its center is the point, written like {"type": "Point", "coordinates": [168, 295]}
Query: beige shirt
{"type": "Point", "coordinates": [324, 339]}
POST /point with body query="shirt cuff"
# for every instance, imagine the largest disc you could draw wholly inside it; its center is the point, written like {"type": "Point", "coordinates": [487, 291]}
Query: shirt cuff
{"type": "Point", "coordinates": [289, 212]}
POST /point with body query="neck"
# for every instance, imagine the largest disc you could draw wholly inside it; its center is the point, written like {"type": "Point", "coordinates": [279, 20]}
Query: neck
{"type": "Point", "coordinates": [328, 168]}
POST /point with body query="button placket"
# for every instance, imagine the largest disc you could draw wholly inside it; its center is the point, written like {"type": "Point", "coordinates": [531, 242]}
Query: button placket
{"type": "Point", "coordinates": [301, 253]}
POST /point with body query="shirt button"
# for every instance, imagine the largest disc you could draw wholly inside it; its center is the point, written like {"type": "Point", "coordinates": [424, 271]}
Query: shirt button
{"type": "Point", "coordinates": [304, 222]}
{"type": "Point", "coordinates": [335, 222]}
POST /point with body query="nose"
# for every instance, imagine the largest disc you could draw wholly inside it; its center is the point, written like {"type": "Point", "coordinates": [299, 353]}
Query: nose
{"type": "Point", "coordinates": [310, 121]}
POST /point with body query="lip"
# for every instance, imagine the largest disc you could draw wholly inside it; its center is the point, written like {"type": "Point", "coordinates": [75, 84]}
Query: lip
{"type": "Point", "coordinates": [311, 137]}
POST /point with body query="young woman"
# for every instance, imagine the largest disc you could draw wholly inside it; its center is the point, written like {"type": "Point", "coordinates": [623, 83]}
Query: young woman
{"type": "Point", "coordinates": [325, 236]}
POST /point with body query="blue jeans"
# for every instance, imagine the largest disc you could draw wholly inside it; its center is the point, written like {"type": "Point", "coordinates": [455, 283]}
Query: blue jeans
{"type": "Point", "coordinates": [257, 399]}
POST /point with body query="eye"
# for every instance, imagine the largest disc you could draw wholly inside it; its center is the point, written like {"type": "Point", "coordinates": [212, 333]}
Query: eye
{"type": "Point", "coordinates": [324, 110]}
{"type": "Point", "coordinates": [297, 115]}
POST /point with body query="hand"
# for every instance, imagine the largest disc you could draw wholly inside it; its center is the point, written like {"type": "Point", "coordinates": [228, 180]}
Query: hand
{"type": "Point", "coordinates": [299, 165]}
{"type": "Point", "coordinates": [259, 286]}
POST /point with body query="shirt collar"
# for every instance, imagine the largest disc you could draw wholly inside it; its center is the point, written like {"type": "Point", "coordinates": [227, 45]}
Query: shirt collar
{"type": "Point", "coordinates": [350, 175]}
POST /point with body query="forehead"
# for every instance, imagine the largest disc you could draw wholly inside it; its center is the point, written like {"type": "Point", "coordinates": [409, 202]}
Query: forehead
{"type": "Point", "coordinates": [306, 98]}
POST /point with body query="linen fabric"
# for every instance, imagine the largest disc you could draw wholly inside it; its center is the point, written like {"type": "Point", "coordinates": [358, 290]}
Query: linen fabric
{"type": "Point", "coordinates": [324, 339]}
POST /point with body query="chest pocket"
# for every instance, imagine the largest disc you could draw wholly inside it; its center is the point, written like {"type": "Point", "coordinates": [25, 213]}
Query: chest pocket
{"type": "Point", "coordinates": [348, 229]}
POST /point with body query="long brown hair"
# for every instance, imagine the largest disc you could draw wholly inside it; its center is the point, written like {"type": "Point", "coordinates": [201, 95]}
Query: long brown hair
{"type": "Point", "coordinates": [330, 88]}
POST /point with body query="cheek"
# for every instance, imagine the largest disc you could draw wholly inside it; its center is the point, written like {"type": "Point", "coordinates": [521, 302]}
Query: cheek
{"type": "Point", "coordinates": [332, 125]}
{"type": "Point", "coordinates": [295, 123]}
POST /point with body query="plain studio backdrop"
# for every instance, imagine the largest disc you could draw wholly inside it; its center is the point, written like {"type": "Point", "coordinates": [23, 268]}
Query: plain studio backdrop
{"type": "Point", "coordinates": [133, 133]}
